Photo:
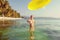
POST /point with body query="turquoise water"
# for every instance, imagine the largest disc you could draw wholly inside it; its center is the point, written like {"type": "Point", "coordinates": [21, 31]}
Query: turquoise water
{"type": "Point", "coordinates": [44, 30]}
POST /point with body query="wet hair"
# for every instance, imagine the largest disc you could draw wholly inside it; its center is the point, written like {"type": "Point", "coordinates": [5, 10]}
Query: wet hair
{"type": "Point", "coordinates": [31, 17]}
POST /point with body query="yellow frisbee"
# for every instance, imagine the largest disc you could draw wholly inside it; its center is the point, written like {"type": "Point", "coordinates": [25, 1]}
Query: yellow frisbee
{"type": "Point", "coordinates": [36, 4]}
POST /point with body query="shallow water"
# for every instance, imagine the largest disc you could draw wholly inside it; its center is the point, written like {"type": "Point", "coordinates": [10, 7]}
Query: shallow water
{"type": "Point", "coordinates": [44, 30]}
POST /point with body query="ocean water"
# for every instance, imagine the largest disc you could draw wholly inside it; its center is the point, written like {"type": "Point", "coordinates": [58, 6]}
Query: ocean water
{"type": "Point", "coordinates": [44, 30]}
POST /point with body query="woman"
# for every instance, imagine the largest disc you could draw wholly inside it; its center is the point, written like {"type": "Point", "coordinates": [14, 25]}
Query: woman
{"type": "Point", "coordinates": [31, 30]}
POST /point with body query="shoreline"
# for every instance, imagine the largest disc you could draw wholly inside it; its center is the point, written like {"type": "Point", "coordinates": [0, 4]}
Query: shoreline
{"type": "Point", "coordinates": [9, 18]}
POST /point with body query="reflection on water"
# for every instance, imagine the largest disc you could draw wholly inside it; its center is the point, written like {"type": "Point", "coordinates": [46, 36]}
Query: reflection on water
{"type": "Point", "coordinates": [4, 25]}
{"type": "Point", "coordinates": [44, 30]}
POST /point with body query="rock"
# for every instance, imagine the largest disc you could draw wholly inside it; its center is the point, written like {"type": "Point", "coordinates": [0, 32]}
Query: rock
{"type": "Point", "coordinates": [7, 11]}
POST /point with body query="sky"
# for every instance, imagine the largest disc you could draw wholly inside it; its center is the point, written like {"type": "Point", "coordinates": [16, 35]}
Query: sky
{"type": "Point", "coordinates": [51, 10]}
